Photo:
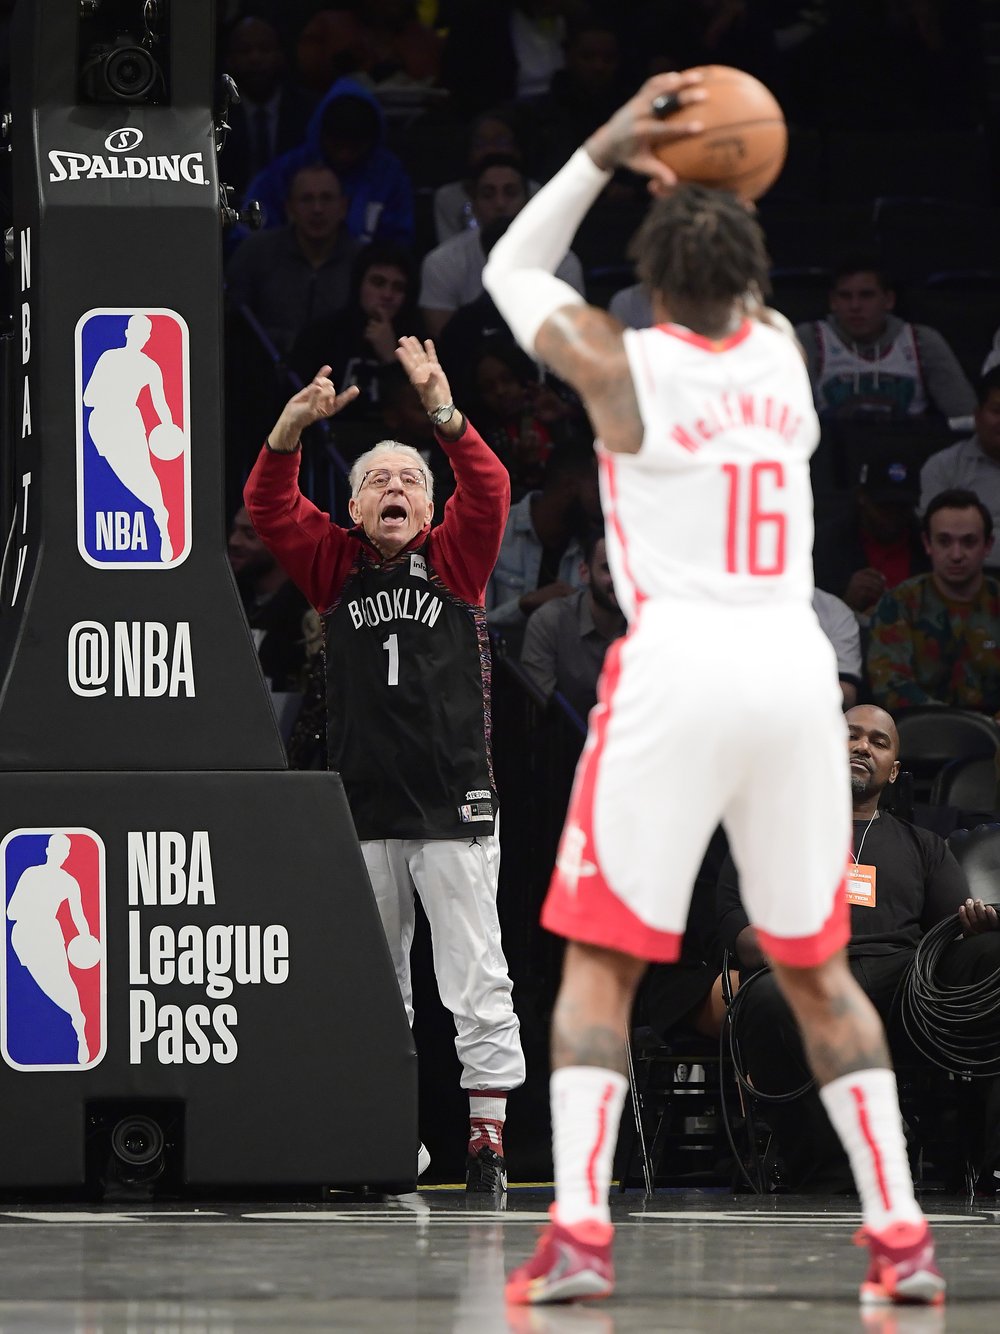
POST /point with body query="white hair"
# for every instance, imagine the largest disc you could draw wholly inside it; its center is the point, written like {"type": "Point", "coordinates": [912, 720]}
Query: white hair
{"type": "Point", "coordinates": [370, 460]}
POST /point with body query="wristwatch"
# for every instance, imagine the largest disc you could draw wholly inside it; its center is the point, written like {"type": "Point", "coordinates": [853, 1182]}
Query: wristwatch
{"type": "Point", "coordinates": [442, 416]}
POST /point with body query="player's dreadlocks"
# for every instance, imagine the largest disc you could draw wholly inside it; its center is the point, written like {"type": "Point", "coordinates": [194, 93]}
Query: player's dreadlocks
{"type": "Point", "coordinates": [702, 245]}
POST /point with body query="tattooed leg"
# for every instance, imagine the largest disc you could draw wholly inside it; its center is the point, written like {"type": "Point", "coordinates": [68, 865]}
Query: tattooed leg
{"type": "Point", "coordinates": [588, 1084]}
{"type": "Point", "coordinates": [845, 1043]}
{"type": "Point", "coordinates": [594, 1007]}
{"type": "Point", "coordinates": [841, 1029]}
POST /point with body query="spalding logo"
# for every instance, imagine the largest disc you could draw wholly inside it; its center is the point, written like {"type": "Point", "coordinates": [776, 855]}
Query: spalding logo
{"type": "Point", "coordinates": [180, 167]}
{"type": "Point", "coordinates": [120, 141]}
{"type": "Point", "coordinates": [729, 150]}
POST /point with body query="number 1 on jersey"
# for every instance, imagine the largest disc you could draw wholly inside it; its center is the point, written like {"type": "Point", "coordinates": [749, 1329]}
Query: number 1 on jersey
{"type": "Point", "coordinates": [391, 646]}
{"type": "Point", "coordinates": [745, 518]}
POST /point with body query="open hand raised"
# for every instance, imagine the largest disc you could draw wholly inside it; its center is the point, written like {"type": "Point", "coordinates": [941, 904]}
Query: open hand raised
{"type": "Point", "coordinates": [420, 362]}
{"type": "Point", "coordinates": [313, 402]}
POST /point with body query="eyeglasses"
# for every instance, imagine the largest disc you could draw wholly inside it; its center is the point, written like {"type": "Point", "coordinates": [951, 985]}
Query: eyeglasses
{"type": "Point", "coordinates": [380, 477]}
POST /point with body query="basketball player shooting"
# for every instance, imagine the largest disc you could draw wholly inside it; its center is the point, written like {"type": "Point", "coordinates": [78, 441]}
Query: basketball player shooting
{"type": "Point", "coordinates": [720, 704]}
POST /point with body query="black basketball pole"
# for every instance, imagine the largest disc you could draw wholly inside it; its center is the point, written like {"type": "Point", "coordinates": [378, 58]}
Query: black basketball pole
{"type": "Point", "coordinates": [240, 979]}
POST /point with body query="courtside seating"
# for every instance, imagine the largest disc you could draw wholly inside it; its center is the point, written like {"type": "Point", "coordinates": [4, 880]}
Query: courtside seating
{"type": "Point", "coordinates": [931, 737]}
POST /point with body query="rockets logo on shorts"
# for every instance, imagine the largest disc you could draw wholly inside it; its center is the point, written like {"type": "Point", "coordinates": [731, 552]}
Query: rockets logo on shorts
{"type": "Point", "coordinates": [571, 862]}
{"type": "Point", "coordinates": [53, 970]}
{"type": "Point", "coordinates": [133, 434]}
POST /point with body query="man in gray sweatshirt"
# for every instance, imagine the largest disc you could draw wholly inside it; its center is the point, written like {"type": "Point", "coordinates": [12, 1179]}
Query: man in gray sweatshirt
{"type": "Point", "coordinates": [864, 361]}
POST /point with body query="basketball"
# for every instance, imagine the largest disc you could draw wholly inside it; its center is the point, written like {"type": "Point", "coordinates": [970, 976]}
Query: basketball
{"type": "Point", "coordinates": [167, 441]}
{"type": "Point", "coordinates": [744, 143]}
{"type": "Point", "coordinates": [84, 951]}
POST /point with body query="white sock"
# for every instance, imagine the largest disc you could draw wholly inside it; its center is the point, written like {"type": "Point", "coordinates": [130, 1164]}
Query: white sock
{"type": "Point", "coordinates": [864, 1110]}
{"type": "Point", "coordinates": [488, 1107]}
{"type": "Point", "coordinates": [586, 1108]}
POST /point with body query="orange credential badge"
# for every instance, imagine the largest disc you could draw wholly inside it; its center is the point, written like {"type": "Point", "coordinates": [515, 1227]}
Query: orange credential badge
{"type": "Point", "coordinates": [861, 886]}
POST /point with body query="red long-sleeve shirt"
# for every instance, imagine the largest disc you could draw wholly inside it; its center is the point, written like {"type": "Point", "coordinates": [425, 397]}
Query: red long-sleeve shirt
{"type": "Point", "coordinates": [318, 554]}
{"type": "Point", "coordinates": [407, 649]}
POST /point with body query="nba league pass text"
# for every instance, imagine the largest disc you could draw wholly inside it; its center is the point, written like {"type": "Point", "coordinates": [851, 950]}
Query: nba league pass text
{"type": "Point", "coordinates": [165, 869]}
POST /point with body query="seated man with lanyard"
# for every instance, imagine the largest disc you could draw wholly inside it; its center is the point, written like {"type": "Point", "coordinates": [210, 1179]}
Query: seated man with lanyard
{"type": "Point", "coordinates": [903, 881]}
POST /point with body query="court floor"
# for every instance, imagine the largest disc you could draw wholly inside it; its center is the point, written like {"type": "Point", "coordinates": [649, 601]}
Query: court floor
{"type": "Point", "coordinates": [433, 1263]}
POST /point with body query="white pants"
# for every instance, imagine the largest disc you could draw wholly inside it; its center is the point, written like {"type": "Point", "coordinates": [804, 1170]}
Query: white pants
{"type": "Point", "coordinates": [457, 883]}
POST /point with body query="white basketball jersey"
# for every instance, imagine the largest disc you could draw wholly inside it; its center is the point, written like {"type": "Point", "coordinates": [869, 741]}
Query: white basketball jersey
{"type": "Point", "coordinates": [717, 503]}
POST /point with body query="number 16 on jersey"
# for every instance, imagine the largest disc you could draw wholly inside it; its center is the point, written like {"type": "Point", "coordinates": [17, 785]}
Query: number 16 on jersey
{"type": "Point", "coordinates": [755, 536]}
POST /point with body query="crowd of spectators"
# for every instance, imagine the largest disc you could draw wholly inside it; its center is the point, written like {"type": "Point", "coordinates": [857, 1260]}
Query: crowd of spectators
{"type": "Point", "coordinates": [388, 155]}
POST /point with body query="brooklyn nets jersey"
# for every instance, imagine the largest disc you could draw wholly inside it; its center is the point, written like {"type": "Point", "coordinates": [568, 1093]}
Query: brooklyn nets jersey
{"type": "Point", "coordinates": [408, 675]}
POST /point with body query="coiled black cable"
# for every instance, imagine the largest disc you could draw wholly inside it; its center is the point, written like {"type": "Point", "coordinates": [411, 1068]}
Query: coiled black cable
{"type": "Point", "coordinates": [732, 1013]}
{"type": "Point", "coordinates": [955, 1027]}
{"type": "Point", "coordinates": [755, 1185]}
{"type": "Point", "coordinates": [732, 999]}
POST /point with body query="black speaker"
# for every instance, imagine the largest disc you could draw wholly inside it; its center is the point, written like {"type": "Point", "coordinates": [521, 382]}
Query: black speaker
{"type": "Point", "coordinates": [134, 1147]}
{"type": "Point", "coordinates": [123, 51]}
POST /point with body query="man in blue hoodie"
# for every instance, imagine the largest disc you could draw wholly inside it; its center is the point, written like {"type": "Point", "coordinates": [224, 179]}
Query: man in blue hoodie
{"type": "Point", "coordinates": [346, 131]}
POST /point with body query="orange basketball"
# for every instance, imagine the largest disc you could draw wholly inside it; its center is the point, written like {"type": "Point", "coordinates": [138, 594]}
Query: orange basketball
{"type": "Point", "coordinates": [743, 145]}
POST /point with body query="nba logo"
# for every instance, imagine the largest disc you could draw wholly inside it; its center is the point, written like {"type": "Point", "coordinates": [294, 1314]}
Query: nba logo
{"type": "Point", "coordinates": [133, 439]}
{"type": "Point", "coordinates": [53, 969]}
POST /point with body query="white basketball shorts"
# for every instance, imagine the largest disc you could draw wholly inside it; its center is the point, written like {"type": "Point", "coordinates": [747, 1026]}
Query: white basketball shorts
{"type": "Point", "coordinates": [710, 713]}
